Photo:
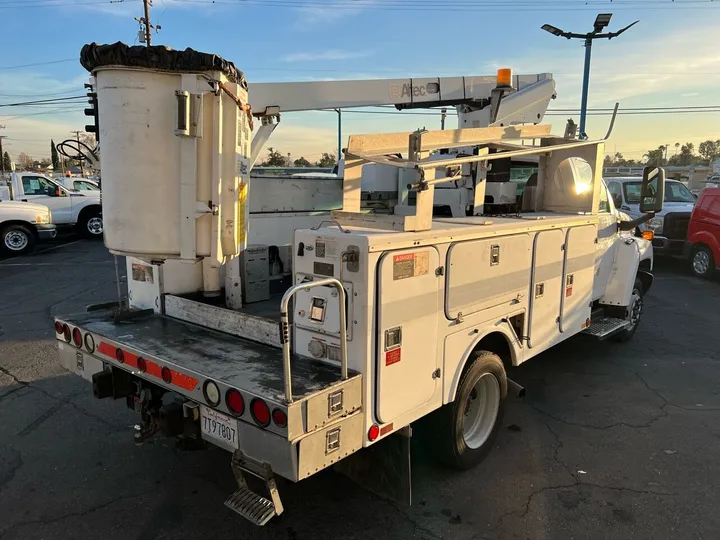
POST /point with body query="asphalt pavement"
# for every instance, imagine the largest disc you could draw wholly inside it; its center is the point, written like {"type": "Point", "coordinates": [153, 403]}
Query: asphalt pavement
{"type": "Point", "coordinates": [613, 441]}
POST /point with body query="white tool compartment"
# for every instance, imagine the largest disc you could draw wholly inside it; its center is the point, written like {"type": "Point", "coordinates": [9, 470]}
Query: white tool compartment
{"type": "Point", "coordinates": [578, 277]}
{"type": "Point", "coordinates": [407, 330]}
{"type": "Point", "coordinates": [486, 273]}
{"type": "Point", "coordinates": [546, 287]}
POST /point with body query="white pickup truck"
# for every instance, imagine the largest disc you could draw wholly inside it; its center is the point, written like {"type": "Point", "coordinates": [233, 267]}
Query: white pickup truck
{"type": "Point", "coordinates": [83, 185]}
{"type": "Point", "coordinates": [69, 207]}
{"type": "Point", "coordinates": [22, 224]}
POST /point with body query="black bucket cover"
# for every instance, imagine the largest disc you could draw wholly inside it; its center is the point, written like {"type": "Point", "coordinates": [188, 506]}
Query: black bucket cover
{"type": "Point", "coordinates": [93, 56]}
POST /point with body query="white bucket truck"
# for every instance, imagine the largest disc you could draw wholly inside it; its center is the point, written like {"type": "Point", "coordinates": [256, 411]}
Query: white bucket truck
{"type": "Point", "coordinates": [386, 318]}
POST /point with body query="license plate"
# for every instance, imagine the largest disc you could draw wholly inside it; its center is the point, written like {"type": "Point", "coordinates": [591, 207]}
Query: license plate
{"type": "Point", "coordinates": [219, 427]}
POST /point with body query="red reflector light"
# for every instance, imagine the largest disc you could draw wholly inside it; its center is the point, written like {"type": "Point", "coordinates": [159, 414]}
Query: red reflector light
{"type": "Point", "coordinates": [235, 402]}
{"type": "Point", "coordinates": [58, 327]}
{"type": "Point", "coordinates": [280, 418]}
{"type": "Point", "coordinates": [166, 375]}
{"type": "Point", "coordinates": [373, 433]}
{"type": "Point", "coordinates": [66, 333]}
{"type": "Point", "coordinates": [260, 412]}
{"type": "Point", "coordinates": [141, 365]}
{"type": "Point", "coordinates": [77, 337]}
{"type": "Point", "coordinates": [120, 356]}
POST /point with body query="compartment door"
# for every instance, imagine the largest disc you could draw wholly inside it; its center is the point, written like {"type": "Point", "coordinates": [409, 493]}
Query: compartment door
{"type": "Point", "coordinates": [578, 278]}
{"type": "Point", "coordinates": [408, 312]}
{"type": "Point", "coordinates": [547, 279]}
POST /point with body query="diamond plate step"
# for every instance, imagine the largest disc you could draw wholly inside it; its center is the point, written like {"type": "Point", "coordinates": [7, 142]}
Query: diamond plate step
{"type": "Point", "coordinates": [253, 507]}
{"type": "Point", "coordinates": [606, 326]}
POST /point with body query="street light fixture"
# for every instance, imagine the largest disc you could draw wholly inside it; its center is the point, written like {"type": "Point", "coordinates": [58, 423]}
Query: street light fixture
{"type": "Point", "coordinates": [601, 21]}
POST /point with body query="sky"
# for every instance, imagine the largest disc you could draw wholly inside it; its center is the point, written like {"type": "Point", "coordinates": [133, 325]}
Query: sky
{"type": "Point", "coordinates": [669, 59]}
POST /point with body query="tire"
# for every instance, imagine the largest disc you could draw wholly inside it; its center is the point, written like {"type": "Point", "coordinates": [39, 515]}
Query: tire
{"type": "Point", "coordinates": [635, 311]}
{"type": "Point", "coordinates": [17, 239]}
{"type": "Point", "coordinates": [702, 262]}
{"type": "Point", "coordinates": [453, 442]}
{"type": "Point", "coordinates": [91, 225]}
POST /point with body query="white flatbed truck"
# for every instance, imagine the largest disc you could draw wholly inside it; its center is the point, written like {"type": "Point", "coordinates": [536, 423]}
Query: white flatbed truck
{"type": "Point", "coordinates": [385, 319]}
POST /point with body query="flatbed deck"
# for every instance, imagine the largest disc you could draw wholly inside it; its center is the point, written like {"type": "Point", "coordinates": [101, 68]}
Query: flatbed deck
{"type": "Point", "coordinates": [240, 363]}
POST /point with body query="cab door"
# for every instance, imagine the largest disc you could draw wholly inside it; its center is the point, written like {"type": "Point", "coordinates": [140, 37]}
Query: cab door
{"type": "Point", "coordinates": [41, 190]}
{"type": "Point", "coordinates": [607, 233]}
{"type": "Point", "coordinates": [407, 331]}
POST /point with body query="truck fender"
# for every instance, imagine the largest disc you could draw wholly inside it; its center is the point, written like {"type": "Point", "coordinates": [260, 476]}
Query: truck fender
{"type": "Point", "coordinates": [625, 269]}
{"type": "Point", "coordinates": [646, 253]}
{"type": "Point", "coordinates": [707, 238]}
{"type": "Point", "coordinates": [86, 206]}
{"type": "Point", "coordinates": [498, 339]}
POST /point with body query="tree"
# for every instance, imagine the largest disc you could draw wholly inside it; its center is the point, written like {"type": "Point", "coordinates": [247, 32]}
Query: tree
{"type": "Point", "coordinates": [274, 159]}
{"type": "Point", "coordinates": [656, 157]}
{"type": "Point", "coordinates": [709, 151]}
{"type": "Point", "coordinates": [302, 162]}
{"type": "Point", "coordinates": [7, 164]}
{"type": "Point", "coordinates": [685, 157]}
{"type": "Point", "coordinates": [618, 160]}
{"type": "Point", "coordinates": [327, 160]}
{"type": "Point", "coordinates": [54, 155]}
{"type": "Point", "coordinates": [25, 162]}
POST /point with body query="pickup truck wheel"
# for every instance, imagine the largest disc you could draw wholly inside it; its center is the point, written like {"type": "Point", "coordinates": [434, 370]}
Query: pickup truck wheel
{"type": "Point", "coordinates": [634, 313]}
{"type": "Point", "coordinates": [464, 431]}
{"type": "Point", "coordinates": [702, 262]}
{"type": "Point", "coordinates": [17, 239]}
{"type": "Point", "coordinates": [91, 225]}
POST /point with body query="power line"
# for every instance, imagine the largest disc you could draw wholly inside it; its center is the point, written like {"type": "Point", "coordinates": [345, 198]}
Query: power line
{"type": "Point", "coordinates": [39, 63]}
{"type": "Point", "coordinates": [39, 95]}
{"type": "Point", "coordinates": [55, 100]}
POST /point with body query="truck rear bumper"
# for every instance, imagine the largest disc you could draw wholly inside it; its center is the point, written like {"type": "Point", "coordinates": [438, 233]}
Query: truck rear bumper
{"type": "Point", "coordinates": [46, 231]}
{"type": "Point", "coordinates": [323, 425]}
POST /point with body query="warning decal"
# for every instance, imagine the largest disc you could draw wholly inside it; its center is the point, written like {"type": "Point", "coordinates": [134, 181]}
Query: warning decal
{"type": "Point", "coordinates": [142, 273]}
{"type": "Point", "coordinates": [411, 265]}
{"type": "Point", "coordinates": [392, 357]}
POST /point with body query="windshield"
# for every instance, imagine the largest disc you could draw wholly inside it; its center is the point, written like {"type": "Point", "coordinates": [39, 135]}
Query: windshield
{"type": "Point", "coordinates": [674, 192]}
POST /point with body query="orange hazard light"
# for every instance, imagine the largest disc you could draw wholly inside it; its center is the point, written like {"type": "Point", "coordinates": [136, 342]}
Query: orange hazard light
{"type": "Point", "coordinates": [648, 235]}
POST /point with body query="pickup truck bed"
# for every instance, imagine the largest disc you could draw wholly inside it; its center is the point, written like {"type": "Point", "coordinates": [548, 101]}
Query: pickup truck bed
{"type": "Point", "coordinates": [240, 363]}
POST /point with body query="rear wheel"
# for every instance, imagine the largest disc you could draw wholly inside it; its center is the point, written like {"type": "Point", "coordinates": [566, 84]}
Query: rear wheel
{"type": "Point", "coordinates": [17, 239]}
{"type": "Point", "coordinates": [633, 313]}
{"type": "Point", "coordinates": [702, 262]}
{"type": "Point", "coordinates": [90, 224]}
{"type": "Point", "coordinates": [464, 431]}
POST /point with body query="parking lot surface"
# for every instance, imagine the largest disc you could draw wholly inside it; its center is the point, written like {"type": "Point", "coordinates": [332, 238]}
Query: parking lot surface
{"type": "Point", "coordinates": [613, 441]}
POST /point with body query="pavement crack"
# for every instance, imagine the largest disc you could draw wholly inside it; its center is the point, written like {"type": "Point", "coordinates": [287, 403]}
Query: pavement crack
{"type": "Point", "coordinates": [556, 451]}
{"type": "Point", "coordinates": [78, 513]}
{"type": "Point", "coordinates": [32, 426]}
{"type": "Point", "coordinates": [663, 413]}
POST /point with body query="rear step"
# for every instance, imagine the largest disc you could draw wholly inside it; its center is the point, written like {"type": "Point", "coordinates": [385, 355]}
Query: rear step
{"type": "Point", "coordinates": [605, 327]}
{"type": "Point", "coordinates": [250, 505]}
{"type": "Point", "coordinates": [253, 507]}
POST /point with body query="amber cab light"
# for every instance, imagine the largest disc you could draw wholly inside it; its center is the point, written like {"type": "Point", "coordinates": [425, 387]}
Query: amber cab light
{"type": "Point", "coordinates": [374, 432]}
{"type": "Point", "coordinates": [77, 337]}
{"type": "Point", "coordinates": [648, 234]}
{"type": "Point", "coordinates": [260, 412]}
{"type": "Point", "coordinates": [280, 418]}
{"type": "Point", "coordinates": [235, 402]}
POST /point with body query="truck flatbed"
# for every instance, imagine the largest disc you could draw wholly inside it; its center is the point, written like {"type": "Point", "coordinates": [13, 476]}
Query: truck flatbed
{"type": "Point", "coordinates": [239, 362]}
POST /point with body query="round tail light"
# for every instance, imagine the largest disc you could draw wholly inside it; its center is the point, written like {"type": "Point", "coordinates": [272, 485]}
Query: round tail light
{"type": "Point", "coordinates": [77, 337]}
{"type": "Point", "coordinates": [373, 432]}
{"type": "Point", "coordinates": [280, 418]}
{"type": "Point", "coordinates": [235, 402]}
{"type": "Point", "coordinates": [211, 393]}
{"type": "Point", "coordinates": [90, 343]}
{"type": "Point", "coordinates": [120, 356]}
{"type": "Point", "coordinates": [58, 327]}
{"type": "Point", "coordinates": [66, 333]}
{"type": "Point", "coordinates": [166, 374]}
{"type": "Point", "coordinates": [260, 412]}
{"type": "Point", "coordinates": [141, 365]}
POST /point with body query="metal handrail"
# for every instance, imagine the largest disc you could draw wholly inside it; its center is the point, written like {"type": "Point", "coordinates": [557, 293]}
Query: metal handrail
{"type": "Point", "coordinates": [285, 329]}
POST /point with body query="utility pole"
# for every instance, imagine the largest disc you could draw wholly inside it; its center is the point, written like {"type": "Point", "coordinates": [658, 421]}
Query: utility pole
{"type": "Point", "coordinates": [77, 138]}
{"type": "Point", "coordinates": [601, 21]}
{"type": "Point", "coordinates": [2, 154]}
{"type": "Point", "coordinates": [145, 34]}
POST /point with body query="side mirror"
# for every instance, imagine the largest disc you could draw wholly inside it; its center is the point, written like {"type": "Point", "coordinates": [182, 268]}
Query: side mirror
{"type": "Point", "coordinates": [652, 193]}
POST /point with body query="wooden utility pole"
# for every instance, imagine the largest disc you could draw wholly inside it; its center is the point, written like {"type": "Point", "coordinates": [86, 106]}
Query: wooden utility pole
{"type": "Point", "coordinates": [145, 27]}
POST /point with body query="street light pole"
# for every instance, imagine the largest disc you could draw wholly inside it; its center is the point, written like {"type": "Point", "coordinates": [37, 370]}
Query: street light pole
{"type": "Point", "coordinates": [601, 21]}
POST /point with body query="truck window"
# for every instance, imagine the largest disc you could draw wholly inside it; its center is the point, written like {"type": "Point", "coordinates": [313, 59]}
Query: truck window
{"type": "Point", "coordinates": [677, 192]}
{"type": "Point", "coordinates": [87, 186]}
{"type": "Point", "coordinates": [615, 191]}
{"type": "Point", "coordinates": [604, 200]}
{"type": "Point", "coordinates": [37, 185]}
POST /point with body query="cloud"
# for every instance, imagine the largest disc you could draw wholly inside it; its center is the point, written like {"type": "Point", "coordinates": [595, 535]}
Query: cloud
{"type": "Point", "coordinates": [326, 55]}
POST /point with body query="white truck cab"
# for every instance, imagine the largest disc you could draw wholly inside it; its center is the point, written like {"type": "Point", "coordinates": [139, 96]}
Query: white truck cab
{"type": "Point", "coordinates": [22, 224]}
{"type": "Point", "coordinates": [69, 207]}
{"type": "Point", "coordinates": [85, 186]}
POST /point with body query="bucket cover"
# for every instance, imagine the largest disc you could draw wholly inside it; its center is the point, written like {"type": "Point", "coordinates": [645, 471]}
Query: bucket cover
{"type": "Point", "coordinates": [93, 56]}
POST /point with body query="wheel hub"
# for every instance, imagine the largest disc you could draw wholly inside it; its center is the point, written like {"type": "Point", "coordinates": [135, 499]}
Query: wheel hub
{"type": "Point", "coordinates": [16, 241]}
{"type": "Point", "coordinates": [701, 262]}
{"type": "Point", "coordinates": [481, 410]}
{"type": "Point", "coordinates": [95, 225]}
{"type": "Point", "coordinates": [636, 308]}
